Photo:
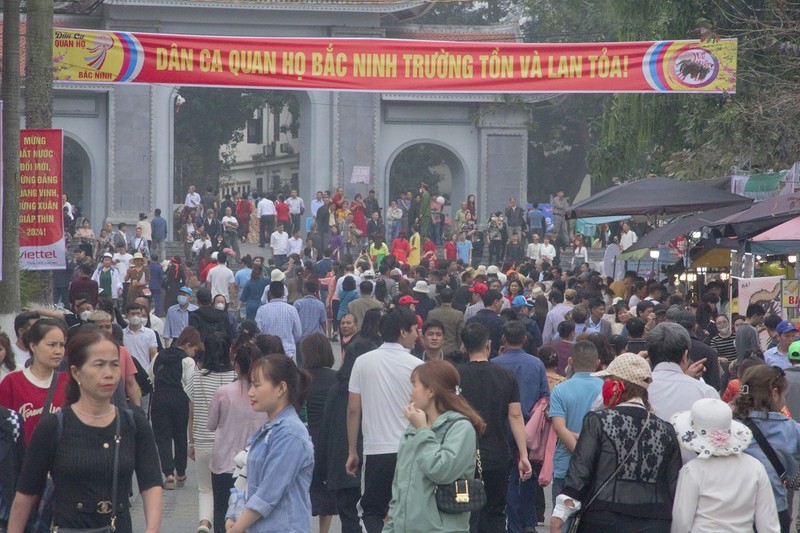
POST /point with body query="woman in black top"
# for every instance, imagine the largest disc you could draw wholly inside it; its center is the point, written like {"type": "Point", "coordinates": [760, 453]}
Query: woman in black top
{"type": "Point", "coordinates": [80, 454]}
{"type": "Point", "coordinates": [171, 371]}
{"type": "Point", "coordinates": [331, 446]}
{"type": "Point", "coordinates": [318, 360]}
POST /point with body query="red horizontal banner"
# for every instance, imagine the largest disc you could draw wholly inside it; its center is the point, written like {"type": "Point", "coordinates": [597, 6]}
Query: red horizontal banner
{"type": "Point", "coordinates": [394, 65]}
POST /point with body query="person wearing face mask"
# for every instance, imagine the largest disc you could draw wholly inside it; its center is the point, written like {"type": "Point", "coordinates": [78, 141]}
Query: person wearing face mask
{"type": "Point", "coordinates": [625, 441]}
{"type": "Point", "coordinates": [171, 372]}
{"type": "Point", "coordinates": [723, 343]}
{"type": "Point", "coordinates": [220, 304]}
{"type": "Point", "coordinates": [178, 315]}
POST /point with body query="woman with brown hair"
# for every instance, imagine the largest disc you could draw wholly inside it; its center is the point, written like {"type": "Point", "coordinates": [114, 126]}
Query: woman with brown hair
{"type": "Point", "coordinates": [624, 470]}
{"type": "Point", "coordinates": [280, 460]}
{"type": "Point", "coordinates": [761, 397]}
{"type": "Point", "coordinates": [438, 447]}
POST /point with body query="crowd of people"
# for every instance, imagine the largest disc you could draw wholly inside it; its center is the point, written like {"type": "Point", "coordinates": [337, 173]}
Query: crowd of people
{"type": "Point", "coordinates": [641, 410]}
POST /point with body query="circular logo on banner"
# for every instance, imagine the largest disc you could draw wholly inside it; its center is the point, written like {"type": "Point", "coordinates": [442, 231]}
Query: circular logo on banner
{"type": "Point", "coordinates": [694, 67]}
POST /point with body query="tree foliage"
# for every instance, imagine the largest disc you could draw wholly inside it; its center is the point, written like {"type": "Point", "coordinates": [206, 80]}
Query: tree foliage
{"type": "Point", "coordinates": [212, 117]}
{"type": "Point", "coordinates": [416, 164]}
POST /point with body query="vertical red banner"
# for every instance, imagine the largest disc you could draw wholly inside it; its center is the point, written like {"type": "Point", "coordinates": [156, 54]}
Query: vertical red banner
{"type": "Point", "coordinates": [41, 219]}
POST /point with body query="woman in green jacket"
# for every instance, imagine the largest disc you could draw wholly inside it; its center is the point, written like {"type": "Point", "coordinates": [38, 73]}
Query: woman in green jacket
{"type": "Point", "coordinates": [437, 448]}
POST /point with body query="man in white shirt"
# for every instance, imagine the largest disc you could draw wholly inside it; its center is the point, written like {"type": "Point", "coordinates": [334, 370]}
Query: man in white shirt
{"type": "Point", "coordinates": [279, 241]}
{"type": "Point", "coordinates": [296, 209]}
{"type": "Point", "coordinates": [295, 243]}
{"type": "Point", "coordinates": [672, 390]}
{"type": "Point", "coordinates": [266, 215]}
{"type": "Point", "coordinates": [221, 279]}
{"type": "Point", "coordinates": [138, 339]}
{"type": "Point", "coordinates": [70, 210]}
{"type": "Point", "coordinates": [122, 260]}
{"type": "Point", "coordinates": [192, 200]}
{"type": "Point", "coordinates": [628, 237]}
{"type": "Point", "coordinates": [316, 203]}
{"type": "Point", "coordinates": [230, 227]}
{"type": "Point", "coordinates": [380, 386]}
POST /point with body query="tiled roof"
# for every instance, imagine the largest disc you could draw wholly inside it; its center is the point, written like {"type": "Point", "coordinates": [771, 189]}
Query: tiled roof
{"type": "Point", "coordinates": [500, 33]}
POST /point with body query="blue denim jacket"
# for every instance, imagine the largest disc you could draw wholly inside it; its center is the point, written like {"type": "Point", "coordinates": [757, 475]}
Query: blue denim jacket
{"type": "Point", "coordinates": [783, 434]}
{"type": "Point", "coordinates": [279, 469]}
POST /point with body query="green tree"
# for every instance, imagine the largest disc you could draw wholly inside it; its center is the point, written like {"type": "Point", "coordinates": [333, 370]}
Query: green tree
{"type": "Point", "coordinates": [212, 117]}
{"type": "Point", "coordinates": [416, 164]}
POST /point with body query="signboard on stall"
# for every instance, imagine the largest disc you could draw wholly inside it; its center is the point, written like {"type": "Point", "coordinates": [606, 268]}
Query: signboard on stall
{"type": "Point", "coordinates": [41, 219]}
{"type": "Point", "coordinates": [765, 291]}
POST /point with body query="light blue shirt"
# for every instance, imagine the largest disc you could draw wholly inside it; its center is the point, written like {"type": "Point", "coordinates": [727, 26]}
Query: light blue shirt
{"type": "Point", "coordinates": [176, 321]}
{"type": "Point", "coordinates": [571, 400]}
{"type": "Point", "coordinates": [242, 277]}
{"type": "Point", "coordinates": [783, 434]}
{"type": "Point", "coordinates": [463, 250]}
{"type": "Point", "coordinates": [282, 320]}
{"type": "Point", "coordinates": [280, 465]}
{"type": "Point", "coordinates": [775, 358]}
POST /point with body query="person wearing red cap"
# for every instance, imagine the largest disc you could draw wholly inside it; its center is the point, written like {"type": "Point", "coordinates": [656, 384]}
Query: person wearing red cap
{"type": "Point", "coordinates": [476, 291]}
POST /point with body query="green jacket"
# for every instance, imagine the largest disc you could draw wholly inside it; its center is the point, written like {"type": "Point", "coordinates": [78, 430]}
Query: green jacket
{"type": "Point", "coordinates": [424, 461]}
{"type": "Point", "coordinates": [425, 205]}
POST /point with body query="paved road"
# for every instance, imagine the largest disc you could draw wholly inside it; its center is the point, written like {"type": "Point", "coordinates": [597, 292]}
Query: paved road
{"type": "Point", "coordinates": [181, 506]}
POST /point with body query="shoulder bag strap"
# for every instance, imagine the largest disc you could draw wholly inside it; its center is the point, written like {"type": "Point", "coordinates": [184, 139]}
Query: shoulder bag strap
{"type": "Point", "coordinates": [115, 476]}
{"type": "Point", "coordinates": [51, 392]}
{"type": "Point", "coordinates": [768, 450]}
{"type": "Point", "coordinates": [477, 446]}
{"type": "Point", "coordinates": [621, 464]}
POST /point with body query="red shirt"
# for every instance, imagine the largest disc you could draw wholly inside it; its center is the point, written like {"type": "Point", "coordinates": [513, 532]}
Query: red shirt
{"type": "Point", "coordinates": [450, 251]}
{"type": "Point", "coordinates": [18, 394]}
{"type": "Point", "coordinates": [282, 210]}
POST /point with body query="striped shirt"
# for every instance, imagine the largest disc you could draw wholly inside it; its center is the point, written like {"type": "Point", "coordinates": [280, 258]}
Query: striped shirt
{"type": "Point", "coordinates": [201, 390]}
{"type": "Point", "coordinates": [724, 346]}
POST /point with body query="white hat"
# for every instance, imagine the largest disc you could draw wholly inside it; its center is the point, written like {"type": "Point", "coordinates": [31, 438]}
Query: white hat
{"type": "Point", "coordinates": [368, 274]}
{"type": "Point", "coordinates": [138, 255]}
{"type": "Point", "coordinates": [396, 272]}
{"type": "Point", "coordinates": [492, 270]}
{"type": "Point", "coordinates": [630, 367]}
{"type": "Point", "coordinates": [277, 275]}
{"type": "Point", "coordinates": [709, 430]}
{"type": "Point", "coordinates": [481, 269]}
{"type": "Point", "coordinates": [214, 255]}
{"type": "Point", "coordinates": [108, 255]}
{"type": "Point", "coordinates": [421, 286]}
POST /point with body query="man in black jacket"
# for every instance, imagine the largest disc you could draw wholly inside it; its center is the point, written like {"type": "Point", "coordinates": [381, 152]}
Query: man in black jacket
{"type": "Point", "coordinates": [207, 319]}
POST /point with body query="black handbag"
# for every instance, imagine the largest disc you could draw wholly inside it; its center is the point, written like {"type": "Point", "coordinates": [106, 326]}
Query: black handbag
{"type": "Point", "coordinates": [576, 519]}
{"type": "Point", "coordinates": [462, 495]}
{"type": "Point", "coordinates": [114, 481]}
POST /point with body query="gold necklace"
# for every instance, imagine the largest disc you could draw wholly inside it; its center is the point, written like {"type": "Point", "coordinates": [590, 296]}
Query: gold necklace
{"type": "Point", "coordinates": [87, 415]}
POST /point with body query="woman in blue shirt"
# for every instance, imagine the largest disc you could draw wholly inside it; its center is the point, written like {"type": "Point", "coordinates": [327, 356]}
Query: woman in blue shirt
{"type": "Point", "coordinates": [252, 292]}
{"type": "Point", "coordinates": [346, 295]}
{"type": "Point", "coordinates": [761, 399]}
{"type": "Point", "coordinates": [280, 462]}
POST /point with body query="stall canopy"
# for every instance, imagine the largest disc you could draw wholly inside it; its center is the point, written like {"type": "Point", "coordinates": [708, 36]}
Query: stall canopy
{"type": "Point", "coordinates": [655, 196]}
{"type": "Point", "coordinates": [782, 239]}
{"type": "Point", "coordinates": [680, 226]}
{"type": "Point", "coordinates": [762, 216]}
